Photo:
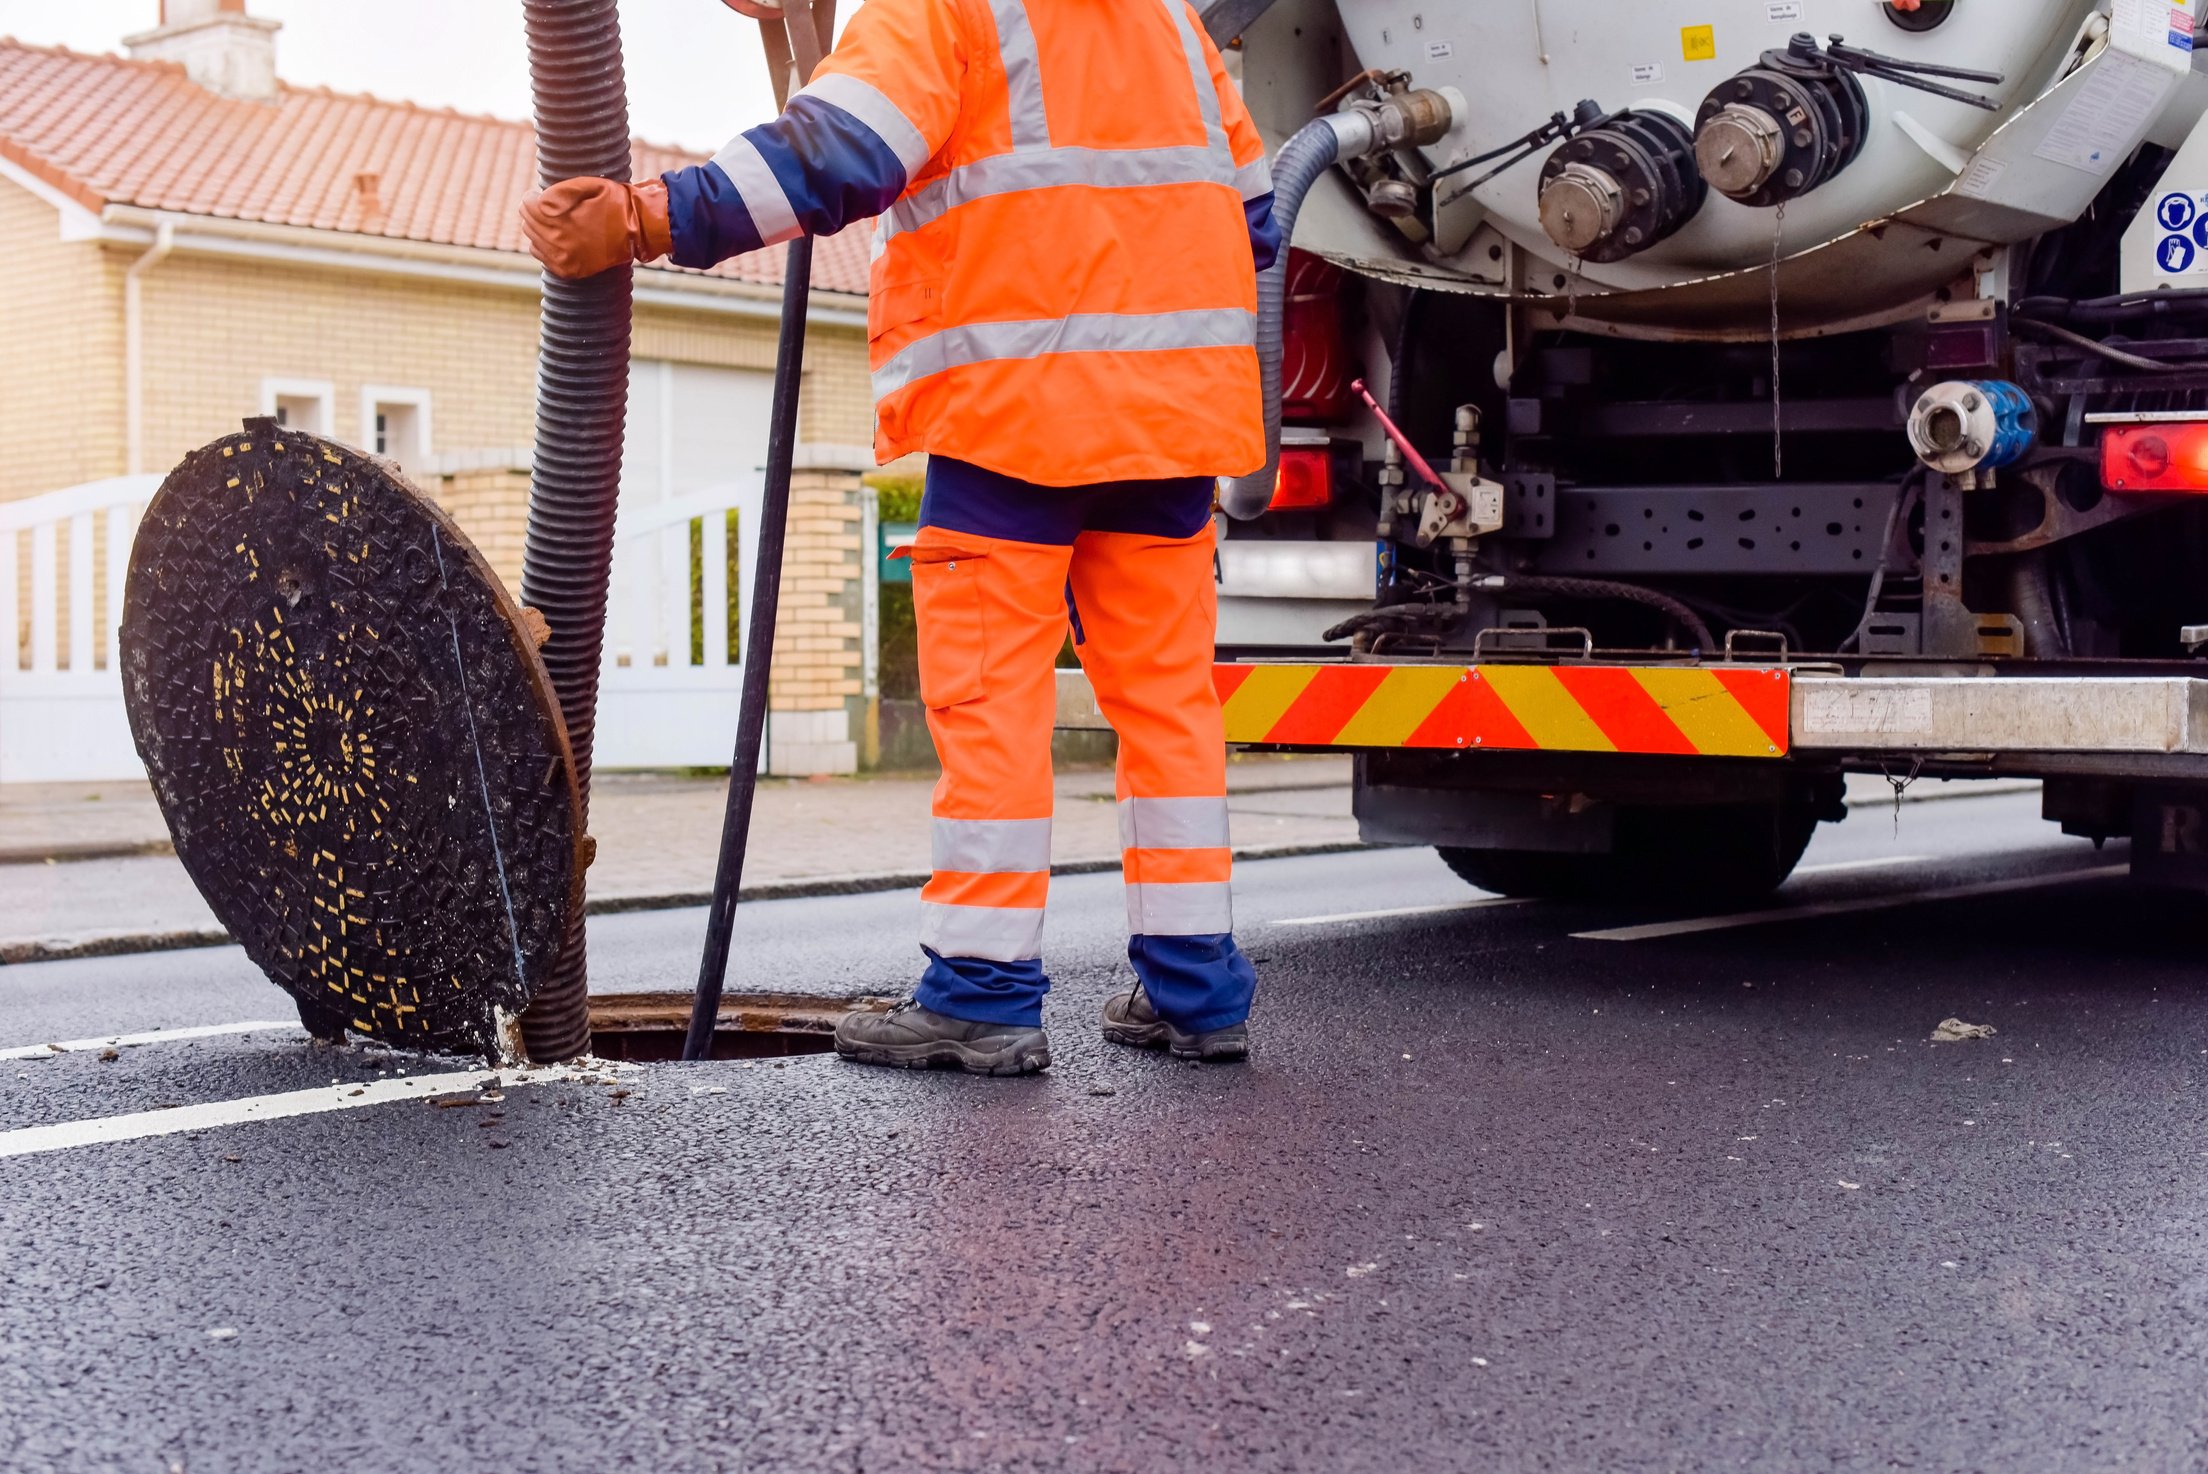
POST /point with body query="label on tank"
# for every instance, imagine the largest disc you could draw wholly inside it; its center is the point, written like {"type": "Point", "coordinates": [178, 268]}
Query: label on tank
{"type": "Point", "coordinates": [1783, 10]}
{"type": "Point", "coordinates": [2175, 255]}
{"type": "Point", "coordinates": [1648, 72]}
{"type": "Point", "coordinates": [2156, 30]}
{"type": "Point", "coordinates": [2107, 113]}
{"type": "Point", "coordinates": [1698, 43]}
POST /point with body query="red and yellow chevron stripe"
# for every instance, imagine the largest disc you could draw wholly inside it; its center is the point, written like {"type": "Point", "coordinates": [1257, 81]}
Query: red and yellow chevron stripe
{"type": "Point", "coordinates": [1679, 710]}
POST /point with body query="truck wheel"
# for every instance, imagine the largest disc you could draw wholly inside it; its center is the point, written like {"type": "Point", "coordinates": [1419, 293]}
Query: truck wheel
{"type": "Point", "coordinates": [1719, 853]}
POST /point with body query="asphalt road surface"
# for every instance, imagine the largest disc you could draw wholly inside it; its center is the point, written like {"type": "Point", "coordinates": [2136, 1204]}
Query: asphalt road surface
{"type": "Point", "coordinates": [1494, 1194]}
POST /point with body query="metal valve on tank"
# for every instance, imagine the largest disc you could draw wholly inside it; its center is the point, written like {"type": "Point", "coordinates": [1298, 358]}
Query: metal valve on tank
{"type": "Point", "coordinates": [1620, 185]}
{"type": "Point", "coordinates": [1970, 425]}
{"type": "Point", "coordinates": [1782, 127]}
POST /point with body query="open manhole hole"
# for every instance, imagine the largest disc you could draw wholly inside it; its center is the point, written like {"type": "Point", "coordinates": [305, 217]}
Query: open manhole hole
{"type": "Point", "coordinates": [649, 1026]}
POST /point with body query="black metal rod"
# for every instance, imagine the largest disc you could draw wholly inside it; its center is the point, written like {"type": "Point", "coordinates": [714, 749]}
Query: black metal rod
{"type": "Point", "coordinates": [757, 651]}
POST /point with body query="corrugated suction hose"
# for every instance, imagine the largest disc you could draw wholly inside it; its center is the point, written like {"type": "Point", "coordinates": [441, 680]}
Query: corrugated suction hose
{"type": "Point", "coordinates": [582, 114]}
{"type": "Point", "coordinates": [1302, 161]}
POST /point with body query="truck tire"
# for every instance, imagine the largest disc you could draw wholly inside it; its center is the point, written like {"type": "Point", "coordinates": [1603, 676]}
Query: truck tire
{"type": "Point", "coordinates": [1714, 853]}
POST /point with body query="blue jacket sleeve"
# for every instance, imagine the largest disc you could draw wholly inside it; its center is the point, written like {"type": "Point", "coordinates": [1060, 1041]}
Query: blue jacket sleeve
{"type": "Point", "coordinates": [1265, 239]}
{"type": "Point", "coordinates": [813, 170]}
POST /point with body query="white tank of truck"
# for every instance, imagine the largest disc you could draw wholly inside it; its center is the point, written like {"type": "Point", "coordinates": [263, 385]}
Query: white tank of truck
{"type": "Point", "coordinates": [1871, 150]}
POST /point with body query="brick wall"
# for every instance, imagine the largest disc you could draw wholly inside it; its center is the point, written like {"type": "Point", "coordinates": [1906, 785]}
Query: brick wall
{"type": "Point", "coordinates": [492, 508]}
{"type": "Point", "coordinates": [61, 368]}
{"type": "Point", "coordinates": [818, 686]}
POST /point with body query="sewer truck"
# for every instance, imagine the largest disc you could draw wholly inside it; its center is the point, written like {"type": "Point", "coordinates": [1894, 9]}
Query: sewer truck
{"type": "Point", "coordinates": [1680, 406]}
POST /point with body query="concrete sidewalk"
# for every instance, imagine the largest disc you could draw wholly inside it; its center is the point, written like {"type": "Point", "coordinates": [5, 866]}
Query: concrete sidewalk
{"type": "Point", "coordinates": [87, 869]}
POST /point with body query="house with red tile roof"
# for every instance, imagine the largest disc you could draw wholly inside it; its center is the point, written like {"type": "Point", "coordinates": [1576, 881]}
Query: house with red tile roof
{"type": "Point", "coordinates": [187, 240]}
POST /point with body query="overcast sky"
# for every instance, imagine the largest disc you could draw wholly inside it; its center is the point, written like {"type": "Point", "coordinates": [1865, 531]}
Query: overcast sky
{"type": "Point", "coordinates": [695, 72]}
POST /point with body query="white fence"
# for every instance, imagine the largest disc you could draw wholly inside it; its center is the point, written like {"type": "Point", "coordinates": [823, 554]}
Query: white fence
{"type": "Point", "coordinates": [61, 694]}
{"type": "Point", "coordinates": [665, 698]}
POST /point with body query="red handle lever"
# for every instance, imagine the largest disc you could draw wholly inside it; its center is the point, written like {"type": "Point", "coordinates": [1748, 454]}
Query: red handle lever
{"type": "Point", "coordinates": [1402, 442]}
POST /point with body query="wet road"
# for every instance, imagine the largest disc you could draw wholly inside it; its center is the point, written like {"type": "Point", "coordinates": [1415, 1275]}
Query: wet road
{"type": "Point", "coordinates": [1495, 1194]}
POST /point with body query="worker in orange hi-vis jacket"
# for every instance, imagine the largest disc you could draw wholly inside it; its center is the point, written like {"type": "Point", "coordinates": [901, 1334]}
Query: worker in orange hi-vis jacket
{"type": "Point", "coordinates": [1073, 208]}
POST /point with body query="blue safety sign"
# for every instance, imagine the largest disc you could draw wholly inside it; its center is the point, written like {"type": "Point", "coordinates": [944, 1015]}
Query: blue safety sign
{"type": "Point", "coordinates": [2175, 211]}
{"type": "Point", "coordinates": [2175, 254]}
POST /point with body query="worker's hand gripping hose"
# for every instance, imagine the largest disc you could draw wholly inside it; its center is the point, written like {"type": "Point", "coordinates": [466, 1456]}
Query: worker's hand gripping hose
{"type": "Point", "coordinates": [1301, 162]}
{"type": "Point", "coordinates": [582, 117]}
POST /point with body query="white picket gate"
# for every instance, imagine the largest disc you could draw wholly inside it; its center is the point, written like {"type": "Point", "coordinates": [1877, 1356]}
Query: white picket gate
{"type": "Point", "coordinates": [61, 691]}
{"type": "Point", "coordinates": [662, 701]}
{"type": "Point", "coordinates": [665, 701]}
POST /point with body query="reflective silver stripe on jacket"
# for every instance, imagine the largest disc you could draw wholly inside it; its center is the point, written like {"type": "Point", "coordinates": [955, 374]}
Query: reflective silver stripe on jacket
{"type": "Point", "coordinates": [992, 846]}
{"type": "Point", "coordinates": [994, 933]}
{"type": "Point", "coordinates": [1204, 909]}
{"type": "Point", "coordinates": [1089, 332]}
{"type": "Point", "coordinates": [760, 191]}
{"type": "Point", "coordinates": [1254, 179]}
{"type": "Point", "coordinates": [1207, 96]}
{"type": "Point", "coordinates": [866, 102]}
{"type": "Point", "coordinates": [1023, 74]}
{"type": "Point", "coordinates": [1094, 168]}
{"type": "Point", "coordinates": [1035, 164]}
{"type": "Point", "coordinates": [1173, 823]}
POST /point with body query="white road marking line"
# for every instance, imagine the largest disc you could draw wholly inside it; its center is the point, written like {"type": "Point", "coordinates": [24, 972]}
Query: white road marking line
{"type": "Point", "coordinates": [1880, 862]}
{"type": "Point", "coordinates": [1841, 908]}
{"type": "Point", "coordinates": [102, 1130]}
{"type": "Point", "coordinates": [1481, 905]}
{"type": "Point", "coordinates": [151, 1036]}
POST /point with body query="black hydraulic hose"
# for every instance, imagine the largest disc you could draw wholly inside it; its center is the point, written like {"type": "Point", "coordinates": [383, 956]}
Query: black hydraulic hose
{"type": "Point", "coordinates": [2099, 349]}
{"type": "Point", "coordinates": [1302, 161]}
{"type": "Point", "coordinates": [582, 115]}
{"type": "Point", "coordinates": [1538, 584]}
{"type": "Point", "coordinates": [758, 648]}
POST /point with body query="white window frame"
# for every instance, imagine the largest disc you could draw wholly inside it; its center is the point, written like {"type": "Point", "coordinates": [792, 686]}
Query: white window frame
{"type": "Point", "coordinates": [372, 395]}
{"type": "Point", "coordinates": [275, 387]}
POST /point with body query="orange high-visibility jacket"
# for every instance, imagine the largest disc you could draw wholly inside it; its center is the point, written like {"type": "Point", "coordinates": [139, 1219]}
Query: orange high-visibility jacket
{"type": "Point", "coordinates": [1063, 286]}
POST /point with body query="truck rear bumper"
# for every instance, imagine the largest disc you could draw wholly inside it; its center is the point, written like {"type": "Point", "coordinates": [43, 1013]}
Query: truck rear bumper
{"type": "Point", "coordinates": [1732, 711]}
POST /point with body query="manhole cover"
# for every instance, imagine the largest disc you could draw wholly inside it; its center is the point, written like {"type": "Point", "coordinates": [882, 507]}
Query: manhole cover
{"type": "Point", "coordinates": [353, 741]}
{"type": "Point", "coordinates": [648, 1026]}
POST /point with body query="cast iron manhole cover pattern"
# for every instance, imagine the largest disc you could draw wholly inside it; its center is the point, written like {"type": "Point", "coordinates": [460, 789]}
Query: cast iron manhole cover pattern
{"type": "Point", "coordinates": [352, 739]}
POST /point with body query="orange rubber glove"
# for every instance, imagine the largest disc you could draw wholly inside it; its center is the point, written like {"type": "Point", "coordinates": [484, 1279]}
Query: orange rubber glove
{"type": "Point", "coordinates": [580, 227]}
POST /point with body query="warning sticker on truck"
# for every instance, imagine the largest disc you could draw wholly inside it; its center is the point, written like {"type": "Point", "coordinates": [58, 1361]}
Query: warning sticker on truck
{"type": "Point", "coordinates": [2182, 247]}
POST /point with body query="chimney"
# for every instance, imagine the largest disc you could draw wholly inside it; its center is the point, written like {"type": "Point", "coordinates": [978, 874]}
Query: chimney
{"type": "Point", "coordinates": [368, 189]}
{"type": "Point", "coordinates": [219, 46]}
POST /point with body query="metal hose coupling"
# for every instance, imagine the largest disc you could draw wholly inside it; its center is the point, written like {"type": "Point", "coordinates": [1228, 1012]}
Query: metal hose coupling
{"type": "Point", "coordinates": [1402, 120]}
{"type": "Point", "coordinates": [582, 116]}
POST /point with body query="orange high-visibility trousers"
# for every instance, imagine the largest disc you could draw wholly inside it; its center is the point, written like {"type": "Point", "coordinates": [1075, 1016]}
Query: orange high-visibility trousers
{"type": "Point", "coordinates": [998, 568]}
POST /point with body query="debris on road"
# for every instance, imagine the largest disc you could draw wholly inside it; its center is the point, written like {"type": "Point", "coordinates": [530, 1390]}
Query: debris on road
{"type": "Point", "coordinates": [223, 1333]}
{"type": "Point", "coordinates": [1955, 1031]}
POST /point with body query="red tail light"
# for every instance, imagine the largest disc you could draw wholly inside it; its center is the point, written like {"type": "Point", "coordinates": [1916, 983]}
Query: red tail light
{"type": "Point", "coordinates": [1306, 481]}
{"type": "Point", "coordinates": [2170, 456]}
{"type": "Point", "coordinates": [1314, 370]}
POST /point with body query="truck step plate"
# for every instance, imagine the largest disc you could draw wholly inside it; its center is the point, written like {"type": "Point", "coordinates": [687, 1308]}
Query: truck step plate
{"type": "Point", "coordinates": [1688, 711]}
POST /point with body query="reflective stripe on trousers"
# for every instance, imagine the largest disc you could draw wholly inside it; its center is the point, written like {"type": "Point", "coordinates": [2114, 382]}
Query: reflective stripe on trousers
{"type": "Point", "coordinates": [1177, 859]}
{"type": "Point", "coordinates": [986, 896]}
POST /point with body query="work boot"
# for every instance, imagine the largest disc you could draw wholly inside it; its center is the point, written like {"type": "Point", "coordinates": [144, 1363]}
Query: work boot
{"type": "Point", "coordinates": [1129, 1019]}
{"type": "Point", "coordinates": [916, 1038]}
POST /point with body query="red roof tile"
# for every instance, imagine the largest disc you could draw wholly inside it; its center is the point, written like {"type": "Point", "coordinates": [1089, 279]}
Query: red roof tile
{"type": "Point", "coordinates": [105, 130]}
